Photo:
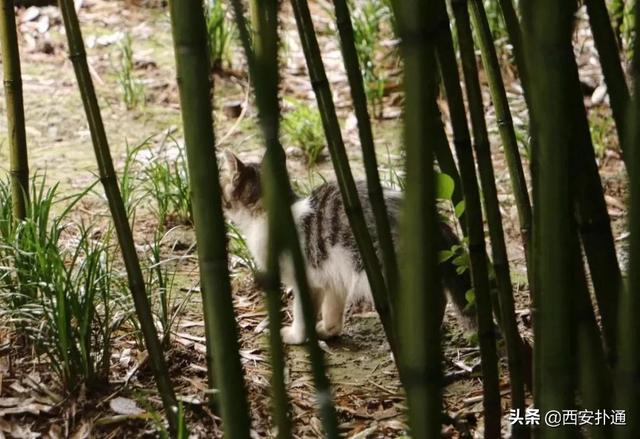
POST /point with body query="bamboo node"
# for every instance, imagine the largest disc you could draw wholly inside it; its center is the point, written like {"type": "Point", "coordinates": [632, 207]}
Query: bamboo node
{"type": "Point", "coordinates": [12, 82]}
{"type": "Point", "coordinates": [316, 83]}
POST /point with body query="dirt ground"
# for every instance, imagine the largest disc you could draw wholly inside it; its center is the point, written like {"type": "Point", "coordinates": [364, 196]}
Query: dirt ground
{"type": "Point", "coordinates": [366, 390]}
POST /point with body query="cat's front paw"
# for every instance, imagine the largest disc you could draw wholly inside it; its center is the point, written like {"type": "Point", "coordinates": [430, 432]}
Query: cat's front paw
{"type": "Point", "coordinates": [292, 335]}
{"type": "Point", "coordinates": [326, 332]}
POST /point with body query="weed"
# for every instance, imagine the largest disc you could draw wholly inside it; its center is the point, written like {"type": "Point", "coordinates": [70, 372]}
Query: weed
{"type": "Point", "coordinates": [302, 126]}
{"type": "Point", "coordinates": [161, 280]}
{"type": "Point", "coordinates": [239, 249]}
{"type": "Point", "coordinates": [63, 294]}
{"type": "Point", "coordinates": [367, 29]}
{"type": "Point", "coordinates": [167, 182]}
{"type": "Point", "coordinates": [313, 180]}
{"type": "Point", "coordinates": [220, 34]}
{"type": "Point", "coordinates": [132, 88]}
{"type": "Point", "coordinates": [602, 132]}
{"type": "Point", "coordinates": [129, 180]}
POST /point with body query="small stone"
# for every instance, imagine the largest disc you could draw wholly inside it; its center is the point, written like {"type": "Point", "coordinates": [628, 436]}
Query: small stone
{"type": "Point", "coordinates": [599, 94]}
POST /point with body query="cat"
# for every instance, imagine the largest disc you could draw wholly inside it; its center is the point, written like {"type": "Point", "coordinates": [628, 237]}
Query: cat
{"type": "Point", "coordinates": [334, 267]}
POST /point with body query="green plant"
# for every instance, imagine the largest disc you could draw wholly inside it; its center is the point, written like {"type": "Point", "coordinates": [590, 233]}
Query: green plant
{"type": "Point", "coordinates": [129, 180]}
{"type": "Point", "coordinates": [368, 19]}
{"type": "Point", "coordinates": [132, 89]}
{"type": "Point", "coordinates": [167, 182]}
{"type": "Point", "coordinates": [238, 247]}
{"type": "Point", "coordinates": [600, 130]}
{"type": "Point", "coordinates": [220, 33]}
{"type": "Point", "coordinates": [60, 287]}
{"type": "Point", "coordinates": [302, 126]}
{"type": "Point", "coordinates": [160, 280]}
{"type": "Point", "coordinates": [627, 29]}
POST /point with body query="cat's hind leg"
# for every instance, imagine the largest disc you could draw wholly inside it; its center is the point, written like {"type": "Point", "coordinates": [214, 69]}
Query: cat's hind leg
{"type": "Point", "coordinates": [295, 334]}
{"type": "Point", "coordinates": [332, 310]}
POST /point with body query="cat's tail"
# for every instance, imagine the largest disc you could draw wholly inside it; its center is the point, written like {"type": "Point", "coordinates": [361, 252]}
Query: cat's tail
{"type": "Point", "coordinates": [456, 284]}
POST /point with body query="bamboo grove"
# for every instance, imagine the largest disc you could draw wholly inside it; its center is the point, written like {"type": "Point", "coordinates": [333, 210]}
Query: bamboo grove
{"type": "Point", "coordinates": [586, 351]}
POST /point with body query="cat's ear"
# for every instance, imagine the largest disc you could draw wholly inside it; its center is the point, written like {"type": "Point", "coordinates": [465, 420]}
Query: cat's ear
{"type": "Point", "coordinates": [232, 163]}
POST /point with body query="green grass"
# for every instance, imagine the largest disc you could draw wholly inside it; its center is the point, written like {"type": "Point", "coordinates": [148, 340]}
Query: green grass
{"type": "Point", "coordinates": [369, 19]}
{"type": "Point", "coordinates": [167, 184]}
{"type": "Point", "coordinates": [603, 133]}
{"type": "Point", "coordinates": [220, 34]}
{"type": "Point", "coordinates": [131, 88]}
{"type": "Point", "coordinates": [60, 286]}
{"type": "Point", "coordinates": [302, 127]}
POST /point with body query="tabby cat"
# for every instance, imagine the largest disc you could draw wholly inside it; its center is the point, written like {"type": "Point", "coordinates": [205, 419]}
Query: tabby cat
{"type": "Point", "coordinates": [334, 267]}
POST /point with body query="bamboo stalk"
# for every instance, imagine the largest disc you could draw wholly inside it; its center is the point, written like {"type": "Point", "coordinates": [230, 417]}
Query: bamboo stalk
{"type": "Point", "coordinates": [264, 74]}
{"type": "Point", "coordinates": [447, 164]}
{"type": "Point", "coordinates": [594, 377]}
{"type": "Point", "coordinates": [442, 150]}
{"type": "Point", "coordinates": [593, 222]}
{"type": "Point", "coordinates": [17, 138]}
{"type": "Point", "coordinates": [358, 95]}
{"type": "Point", "coordinates": [628, 391]}
{"type": "Point", "coordinates": [482, 146]}
{"type": "Point", "coordinates": [123, 230]}
{"type": "Point", "coordinates": [504, 120]}
{"type": "Point", "coordinates": [270, 283]}
{"type": "Point", "coordinates": [383, 301]}
{"type": "Point", "coordinates": [594, 225]}
{"type": "Point", "coordinates": [265, 45]}
{"type": "Point", "coordinates": [605, 41]}
{"type": "Point", "coordinates": [475, 228]}
{"type": "Point", "coordinates": [512, 24]}
{"type": "Point", "coordinates": [548, 31]}
{"type": "Point", "coordinates": [223, 359]}
{"type": "Point", "coordinates": [420, 298]}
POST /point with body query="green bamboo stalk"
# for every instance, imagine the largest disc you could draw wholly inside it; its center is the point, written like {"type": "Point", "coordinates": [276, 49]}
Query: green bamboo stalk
{"type": "Point", "coordinates": [512, 24]}
{"type": "Point", "coordinates": [264, 74]}
{"type": "Point", "coordinates": [590, 211]}
{"type": "Point", "coordinates": [383, 301]}
{"type": "Point", "coordinates": [223, 359]}
{"type": "Point", "coordinates": [594, 225]}
{"type": "Point", "coordinates": [505, 122]}
{"type": "Point", "coordinates": [442, 150]}
{"type": "Point", "coordinates": [265, 43]}
{"type": "Point", "coordinates": [482, 146]}
{"type": "Point", "coordinates": [123, 230]}
{"type": "Point", "coordinates": [270, 283]}
{"type": "Point", "coordinates": [475, 228]}
{"type": "Point", "coordinates": [628, 373]}
{"type": "Point", "coordinates": [359, 97]}
{"type": "Point", "coordinates": [420, 298]}
{"type": "Point", "coordinates": [548, 46]}
{"type": "Point", "coordinates": [594, 377]}
{"type": "Point", "coordinates": [17, 139]}
{"type": "Point", "coordinates": [605, 40]}
{"type": "Point", "coordinates": [447, 165]}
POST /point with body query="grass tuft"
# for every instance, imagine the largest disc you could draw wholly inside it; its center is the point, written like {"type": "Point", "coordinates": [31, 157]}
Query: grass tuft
{"type": "Point", "coordinates": [220, 34]}
{"type": "Point", "coordinates": [132, 89]}
{"type": "Point", "coordinates": [60, 288]}
{"type": "Point", "coordinates": [302, 127]}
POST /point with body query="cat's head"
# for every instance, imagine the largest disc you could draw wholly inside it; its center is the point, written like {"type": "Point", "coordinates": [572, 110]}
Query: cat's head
{"type": "Point", "coordinates": [241, 187]}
